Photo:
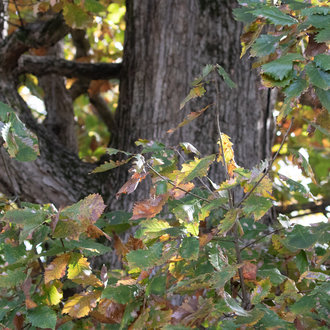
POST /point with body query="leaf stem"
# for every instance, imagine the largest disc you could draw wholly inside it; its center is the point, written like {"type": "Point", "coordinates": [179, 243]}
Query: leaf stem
{"type": "Point", "coordinates": [246, 304]}
{"type": "Point", "coordinates": [269, 166]}
{"type": "Point", "coordinates": [177, 187]}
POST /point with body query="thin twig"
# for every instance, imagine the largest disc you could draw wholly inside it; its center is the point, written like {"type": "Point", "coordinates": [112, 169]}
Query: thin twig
{"type": "Point", "coordinates": [179, 188]}
{"type": "Point", "coordinates": [11, 178]}
{"type": "Point", "coordinates": [246, 300]}
{"type": "Point", "coordinates": [269, 166]}
{"type": "Point", "coordinates": [19, 14]}
{"type": "Point", "coordinates": [199, 179]}
{"type": "Point", "coordinates": [230, 196]}
{"type": "Point", "coordinates": [261, 238]}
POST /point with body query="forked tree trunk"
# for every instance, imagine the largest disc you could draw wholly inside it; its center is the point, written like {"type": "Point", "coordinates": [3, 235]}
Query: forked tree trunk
{"type": "Point", "coordinates": [167, 44]}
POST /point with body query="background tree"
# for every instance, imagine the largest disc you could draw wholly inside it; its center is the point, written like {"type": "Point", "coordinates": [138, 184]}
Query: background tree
{"type": "Point", "coordinates": [166, 44]}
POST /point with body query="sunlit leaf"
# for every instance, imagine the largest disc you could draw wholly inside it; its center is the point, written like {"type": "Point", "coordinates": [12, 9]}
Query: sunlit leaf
{"type": "Point", "coordinates": [121, 294]}
{"type": "Point", "coordinates": [280, 68]}
{"type": "Point", "coordinates": [189, 118]}
{"type": "Point", "coordinates": [318, 276]}
{"type": "Point", "coordinates": [229, 220]}
{"type": "Point", "coordinates": [257, 206]}
{"type": "Point", "coordinates": [197, 91]}
{"type": "Point", "coordinates": [149, 208]}
{"type": "Point", "coordinates": [57, 268]}
{"type": "Point", "coordinates": [261, 291]}
{"type": "Point", "coordinates": [79, 305]}
{"type": "Point", "coordinates": [275, 15]}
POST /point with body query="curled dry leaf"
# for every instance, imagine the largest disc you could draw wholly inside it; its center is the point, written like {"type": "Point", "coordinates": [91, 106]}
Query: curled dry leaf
{"type": "Point", "coordinates": [149, 208]}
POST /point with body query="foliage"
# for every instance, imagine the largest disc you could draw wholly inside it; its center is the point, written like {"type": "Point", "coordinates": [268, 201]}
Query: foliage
{"type": "Point", "coordinates": [199, 256]}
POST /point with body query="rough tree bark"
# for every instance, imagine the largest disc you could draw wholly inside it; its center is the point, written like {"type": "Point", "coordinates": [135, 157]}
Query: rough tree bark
{"type": "Point", "coordinates": [167, 44]}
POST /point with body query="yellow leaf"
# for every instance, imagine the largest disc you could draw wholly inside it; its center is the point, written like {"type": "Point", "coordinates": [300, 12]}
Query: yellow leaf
{"type": "Point", "coordinates": [86, 279]}
{"type": "Point", "coordinates": [228, 152]}
{"type": "Point", "coordinates": [81, 304]}
{"type": "Point", "coordinates": [56, 269]}
{"type": "Point", "coordinates": [77, 265]}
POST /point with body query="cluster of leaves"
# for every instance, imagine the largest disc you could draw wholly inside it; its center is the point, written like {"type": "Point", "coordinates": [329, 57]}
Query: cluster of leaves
{"type": "Point", "coordinates": [20, 143]}
{"type": "Point", "coordinates": [290, 43]}
{"type": "Point", "coordinates": [190, 246]}
{"type": "Point", "coordinates": [198, 257]}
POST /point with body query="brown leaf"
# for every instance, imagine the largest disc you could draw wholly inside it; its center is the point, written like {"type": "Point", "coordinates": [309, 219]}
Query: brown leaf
{"type": "Point", "coordinates": [18, 321]}
{"type": "Point", "coordinates": [95, 232]}
{"type": "Point", "coordinates": [313, 48]}
{"type": "Point", "coordinates": [81, 304]}
{"type": "Point", "coordinates": [134, 243]}
{"type": "Point", "coordinates": [56, 269]}
{"type": "Point", "coordinates": [104, 274]}
{"type": "Point", "coordinates": [120, 248]}
{"type": "Point", "coordinates": [26, 286]}
{"type": "Point", "coordinates": [108, 312]}
{"type": "Point", "coordinates": [250, 271]}
{"type": "Point", "coordinates": [91, 208]}
{"type": "Point", "coordinates": [149, 208]}
{"type": "Point", "coordinates": [178, 193]}
{"type": "Point", "coordinates": [131, 184]}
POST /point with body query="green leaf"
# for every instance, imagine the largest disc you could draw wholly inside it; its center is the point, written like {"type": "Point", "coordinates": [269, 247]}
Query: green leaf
{"type": "Point", "coordinates": [319, 21]}
{"type": "Point", "coordinates": [300, 238]}
{"type": "Point", "coordinates": [42, 317]}
{"type": "Point", "coordinates": [275, 16]}
{"type": "Point", "coordinates": [194, 169]}
{"type": "Point", "coordinates": [197, 91]}
{"type": "Point", "coordinates": [274, 275]}
{"type": "Point", "coordinates": [94, 6]}
{"type": "Point", "coordinates": [121, 294]}
{"type": "Point", "coordinates": [324, 97]}
{"type": "Point", "coordinates": [257, 206]}
{"type": "Point", "coordinates": [5, 110]}
{"type": "Point", "coordinates": [234, 305]}
{"type": "Point", "coordinates": [75, 16]}
{"type": "Point", "coordinates": [301, 261]}
{"type": "Point", "coordinates": [295, 88]}
{"type": "Point", "coordinates": [318, 77]}
{"type": "Point", "coordinates": [229, 220]}
{"type": "Point", "coordinates": [110, 165]}
{"type": "Point", "coordinates": [12, 278]}
{"type": "Point", "coordinates": [145, 258]}
{"type": "Point", "coordinates": [113, 151]}
{"type": "Point", "coordinates": [322, 61]}
{"type": "Point", "coordinates": [220, 278]}
{"type": "Point", "coordinates": [157, 285]}
{"type": "Point", "coordinates": [315, 276]}
{"type": "Point", "coordinates": [222, 73]}
{"type": "Point", "coordinates": [323, 35]}
{"type": "Point", "coordinates": [303, 305]}
{"type": "Point", "coordinates": [261, 291]}
{"type": "Point", "coordinates": [189, 248]}
{"type": "Point", "coordinates": [281, 68]}
{"type": "Point", "coordinates": [243, 15]}
{"type": "Point", "coordinates": [266, 44]}
{"type": "Point", "coordinates": [293, 185]}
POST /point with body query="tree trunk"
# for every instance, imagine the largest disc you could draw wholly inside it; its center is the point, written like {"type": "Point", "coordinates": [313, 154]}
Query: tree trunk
{"type": "Point", "coordinates": [167, 44]}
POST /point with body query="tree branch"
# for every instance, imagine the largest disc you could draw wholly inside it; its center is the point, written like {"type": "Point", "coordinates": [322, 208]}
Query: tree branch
{"type": "Point", "coordinates": [42, 33]}
{"type": "Point", "coordinates": [43, 65]}
{"type": "Point", "coordinates": [313, 207]}
{"type": "Point", "coordinates": [269, 166]}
